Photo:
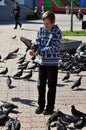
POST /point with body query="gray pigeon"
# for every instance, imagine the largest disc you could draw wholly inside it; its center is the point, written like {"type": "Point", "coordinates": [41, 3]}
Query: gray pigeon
{"type": "Point", "coordinates": [4, 71]}
{"type": "Point", "coordinates": [77, 83]}
{"type": "Point", "coordinates": [18, 74]}
{"type": "Point", "coordinates": [8, 81]}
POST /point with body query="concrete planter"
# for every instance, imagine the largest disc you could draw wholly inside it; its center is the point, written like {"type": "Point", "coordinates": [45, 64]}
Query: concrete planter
{"type": "Point", "coordinates": [69, 45]}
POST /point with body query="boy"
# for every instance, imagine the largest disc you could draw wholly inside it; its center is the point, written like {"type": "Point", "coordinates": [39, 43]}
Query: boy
{"type": "Point", "coordinates": [47, 56]}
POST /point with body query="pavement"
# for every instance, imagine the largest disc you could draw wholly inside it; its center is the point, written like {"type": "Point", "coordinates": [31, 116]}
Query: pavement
{"type": "Point", "coordinates": [24, 94]}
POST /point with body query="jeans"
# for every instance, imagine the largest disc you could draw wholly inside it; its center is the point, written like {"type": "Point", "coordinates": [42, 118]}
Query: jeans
{"type": "Point", "coordinates": [47, 74]}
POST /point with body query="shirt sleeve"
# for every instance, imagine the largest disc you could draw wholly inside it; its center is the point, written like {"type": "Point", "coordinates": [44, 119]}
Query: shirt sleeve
{"type": "Point", "coordinates": [54, 44]}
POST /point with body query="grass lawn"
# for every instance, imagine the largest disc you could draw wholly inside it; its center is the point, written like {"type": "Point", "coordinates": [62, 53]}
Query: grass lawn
{"type": "Point", "coordinates": [74, 33]}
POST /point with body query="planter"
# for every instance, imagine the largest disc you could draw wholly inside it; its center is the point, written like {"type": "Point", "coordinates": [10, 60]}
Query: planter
{"type": "Point", "coordinates": [70, 45]}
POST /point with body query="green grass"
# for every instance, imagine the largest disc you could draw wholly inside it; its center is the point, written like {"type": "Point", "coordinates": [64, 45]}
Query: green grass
{"type": "Point", "coordinates": [74, 33]}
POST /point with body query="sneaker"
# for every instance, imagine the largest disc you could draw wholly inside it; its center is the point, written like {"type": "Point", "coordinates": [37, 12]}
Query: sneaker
{"type": "Point", "coordinates": [47, 112]}
{"type": "Point", "coordinates": [39, 110]}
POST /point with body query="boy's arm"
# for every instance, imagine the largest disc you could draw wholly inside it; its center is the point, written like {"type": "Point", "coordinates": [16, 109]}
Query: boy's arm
{"type": "Point", "coordinates": [53, 45]}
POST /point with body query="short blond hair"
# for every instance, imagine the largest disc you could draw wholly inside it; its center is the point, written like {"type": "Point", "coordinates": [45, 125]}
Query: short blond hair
{"type": "Point", "coordinates": [49, 15]}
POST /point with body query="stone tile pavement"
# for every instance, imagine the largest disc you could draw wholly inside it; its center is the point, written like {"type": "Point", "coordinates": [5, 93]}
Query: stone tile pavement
{"type": "Point", "coordinates": [24, 94]}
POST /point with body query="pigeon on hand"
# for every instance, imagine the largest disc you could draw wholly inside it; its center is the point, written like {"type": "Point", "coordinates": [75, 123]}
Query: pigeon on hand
{"type": "Point", "coordinates": [4, 71]}
{"type": "Point", "coordinates": [9, 81]}
{"type": "Point", "coordinates": [66, 77]}
{"type": "Point", "coordinates": [18, 74]}
{"type": "Point", "coordinates": [27, 42]}
{"type": "Point", "coordinates": [77, 83]}
{"type": "Point", "coordinates": [76, 112]}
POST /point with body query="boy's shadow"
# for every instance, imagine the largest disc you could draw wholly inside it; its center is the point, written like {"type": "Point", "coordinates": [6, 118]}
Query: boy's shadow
{"type": "Point", "coordinates": [24, 101]}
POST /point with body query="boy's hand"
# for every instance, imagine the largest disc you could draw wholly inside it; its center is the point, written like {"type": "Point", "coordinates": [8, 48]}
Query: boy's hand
{"type": "Point", "coordinates": [31, 53]}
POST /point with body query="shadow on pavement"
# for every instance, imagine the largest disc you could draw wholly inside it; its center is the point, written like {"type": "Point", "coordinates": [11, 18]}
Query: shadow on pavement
{"type": "Point", "coordinates": [24, 101]}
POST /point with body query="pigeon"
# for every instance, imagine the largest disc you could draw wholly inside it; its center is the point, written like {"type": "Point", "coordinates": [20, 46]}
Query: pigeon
{"type": "Point", "coordinates": [9, 81]}
{"type": "Point", "coordinates": [66, 77]}
{"type": "Point", "coordinates": [14, 37]}
{"type": "Point", "coordinates": [21, 61]}
{"type": "Point", "coordinates": [77, 71]}
{"type": "Point", "coordinates": [68, 68]}
{"type": "Point", "coordinates": [78, 125]}
{"type": "Point", "coordinates": [9, 106]}
{"type": "Point", "coordinates": [13, 124]}
{"type": "Point", "coordinates": [15, 51]}
{"type": "Point", "coordinates": [0, 57]}
{"type": "Point", "coordinates": [23, 57]}
{"type": "Point", "coordinates": [77, 83]}
{"type": "Point", "coordinates": [4, 117]}
{"type": "Point", "coordinates": [60, 126]}
{"type": "Point", "coordinates": [18, 74]}
{"type": "Point", "coordinates": [27, 42]}
{"type": "Point", "coordinates": [10, 56]}
{"type": "Point", "coordinates": [33, 66]}
{"type": "Point", "coordinates": [53, 117]}
{"type": "Point", "coordinates": [33, 57]}
{"type": "Point", "coordinates": [4, 71]}
{"type": "Point", "coordinates": [27, 77]}
{"type": "Point", "coordinates": [76, 112]}
{"type": "Point", "coordinates": [23, 66]}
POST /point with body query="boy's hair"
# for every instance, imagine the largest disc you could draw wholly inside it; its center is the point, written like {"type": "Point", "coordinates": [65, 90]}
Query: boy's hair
{"type": "Point", "coordinates": [49, 15]}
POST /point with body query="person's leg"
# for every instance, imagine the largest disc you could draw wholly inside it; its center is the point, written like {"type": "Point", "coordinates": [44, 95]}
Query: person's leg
{"type": "Point", "coordinates": [16, 23]}
{"type": "Point", "coordinates": [42, 77]}
{"type": "Point", "coordinates": [52, 82]}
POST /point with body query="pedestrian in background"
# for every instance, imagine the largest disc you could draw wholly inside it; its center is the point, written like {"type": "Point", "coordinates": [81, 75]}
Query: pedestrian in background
{"type": "Point", "coordinates": [16, 13]}
{"type": "Point", "coordinates": [36, 13]}
{"type": "Point", "coordinates": [47, 56]}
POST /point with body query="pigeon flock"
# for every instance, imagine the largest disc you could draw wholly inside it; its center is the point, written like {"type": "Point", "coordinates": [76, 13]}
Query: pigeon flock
{"type": "Point", "coordinates": [68, 64]}
{"type": "Point", "coordinates": [63, 121]}
{"type": "Point", "coordinates": [23, 64]}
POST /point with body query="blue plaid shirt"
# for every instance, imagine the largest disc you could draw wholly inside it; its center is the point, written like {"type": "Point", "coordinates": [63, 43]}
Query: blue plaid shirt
{"type": "Point", "coordinates": [49, 46]}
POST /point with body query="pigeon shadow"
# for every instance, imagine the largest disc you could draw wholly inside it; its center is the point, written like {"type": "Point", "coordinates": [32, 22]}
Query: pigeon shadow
{"type": "Point", "coordinates": [68, 81]}
{"type": "Point", "coordinates": [60, 85]}
{"type": "Point", "coordinates": [24, 101]}
{"type": "Point", "coordinates": [28, 29]}
{"type": "Point", "coordinates": [15, 111]}
{"type": "Point", "coordinates": [11, 87]}
{"type": "Point", "coordinates": [80, 89]}
{"type": "Point", "coordinates": [32, 80]}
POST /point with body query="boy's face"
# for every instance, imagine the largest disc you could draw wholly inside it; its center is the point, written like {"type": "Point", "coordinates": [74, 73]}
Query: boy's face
{"type": "Point", "coordinates": [48, 24]}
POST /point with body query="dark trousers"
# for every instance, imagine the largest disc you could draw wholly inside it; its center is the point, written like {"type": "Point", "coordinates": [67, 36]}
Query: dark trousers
{"type": "Point", "coordinates": [17, 22]}
{"type": "Point", "coordinates": [47, 74]}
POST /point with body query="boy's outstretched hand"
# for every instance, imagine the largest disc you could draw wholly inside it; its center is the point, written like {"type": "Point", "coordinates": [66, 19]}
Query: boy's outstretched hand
{"type": "Point", "coordinates": [32, 53]}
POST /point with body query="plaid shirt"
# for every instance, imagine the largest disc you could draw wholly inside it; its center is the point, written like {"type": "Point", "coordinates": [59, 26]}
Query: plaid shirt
{"type": "Point", "coordinates": [49, 46]}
